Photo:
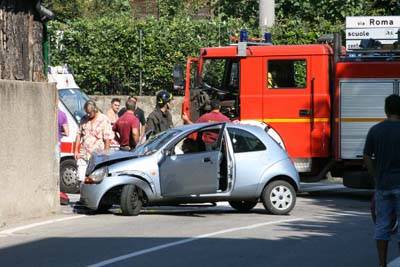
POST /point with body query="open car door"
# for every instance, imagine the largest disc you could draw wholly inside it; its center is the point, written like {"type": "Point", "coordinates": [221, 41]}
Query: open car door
{"type": "Point", "coordinates": [191, 166]}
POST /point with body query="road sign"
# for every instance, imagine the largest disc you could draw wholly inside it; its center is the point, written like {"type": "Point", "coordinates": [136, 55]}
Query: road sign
{"type": "Point", "coordinates": [373, 22]}
{"type": "Point", "coordinates": [374, 33]}
{"type": "Point", "coordinates": [382, 29]}
{"type": "Point", "coordinates": [355, 44]}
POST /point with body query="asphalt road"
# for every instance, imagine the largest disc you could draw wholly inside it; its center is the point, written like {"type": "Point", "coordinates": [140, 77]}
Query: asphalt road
{"type": "Point", "coordinates": [329, 227]}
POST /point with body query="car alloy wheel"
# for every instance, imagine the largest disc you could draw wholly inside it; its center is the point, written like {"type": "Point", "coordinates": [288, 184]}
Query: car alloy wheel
{"type": "Point", "coordinates": [69, 182]}
{"type": "Point", "coordinates": [279, 197]}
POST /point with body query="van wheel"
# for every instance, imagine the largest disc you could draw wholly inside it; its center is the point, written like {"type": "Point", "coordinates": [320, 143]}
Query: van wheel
{"type": "Point", "coordinates": [243, 205]}
{"type": "Point", "coordinates": [279, 197]}
{"type": "Point", "coordinates": [131, 200]}
{"type": "Point", "coordinates": [69, 182]}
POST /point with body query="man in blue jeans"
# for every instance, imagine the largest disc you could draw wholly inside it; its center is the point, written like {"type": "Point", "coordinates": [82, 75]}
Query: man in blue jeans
{"type": "Point", "coordinates": [382, 159]}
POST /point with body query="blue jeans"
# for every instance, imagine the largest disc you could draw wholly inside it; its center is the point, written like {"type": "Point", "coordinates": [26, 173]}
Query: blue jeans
{"type": "Point", "coordinates": [387, 202]}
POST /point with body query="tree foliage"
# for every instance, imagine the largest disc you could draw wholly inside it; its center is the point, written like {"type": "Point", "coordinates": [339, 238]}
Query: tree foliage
{"type": "Point", "coordinates": [100, 40]}
{"type": "Point", "coordinates": [105, 53]}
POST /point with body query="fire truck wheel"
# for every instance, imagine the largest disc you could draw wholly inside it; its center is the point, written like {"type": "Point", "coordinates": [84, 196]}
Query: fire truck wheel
{"type": "Point", "coordinates": [131, 200]}
{"type": "Point", "coordinates": [279, 197]}
{"type": "Point", "coordinates": [69, 182]}
{"type": "Point", "coordinates": [243, 206]}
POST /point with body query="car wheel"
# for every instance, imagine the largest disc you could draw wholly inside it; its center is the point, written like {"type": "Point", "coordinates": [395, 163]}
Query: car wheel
{"type": "Point", "coordinates": [69, 182]}
{"type": "Point", "coordinates": [131, 202]}
{"type": "Point", "coordinates": [243, 205]}
{"type": "Point", "coordinates": [279, 197]}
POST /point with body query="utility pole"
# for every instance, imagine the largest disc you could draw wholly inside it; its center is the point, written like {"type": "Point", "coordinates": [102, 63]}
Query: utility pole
{"type": "Point", "coordinates": [267, 15]}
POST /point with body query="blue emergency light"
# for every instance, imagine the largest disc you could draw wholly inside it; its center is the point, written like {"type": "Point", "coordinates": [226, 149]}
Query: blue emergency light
{"type": "Point", "coordinates": [244, 36]}
{"type": "Point", "coordinates": [268, 38]}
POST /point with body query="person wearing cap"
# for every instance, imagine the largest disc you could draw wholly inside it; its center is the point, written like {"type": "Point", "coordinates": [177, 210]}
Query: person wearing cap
{"type": "Point", "coordinates": [160, 119]}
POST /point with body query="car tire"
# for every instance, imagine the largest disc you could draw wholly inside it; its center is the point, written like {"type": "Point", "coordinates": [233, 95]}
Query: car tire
{"type": "Point", "coordinates": [131, 201]}
{"type": "Point", "coordinates": [69, 182]}
{"type": "Point", "coordinates": [243, 205]}
{"type": "Point", "coordinates": [279, 197]}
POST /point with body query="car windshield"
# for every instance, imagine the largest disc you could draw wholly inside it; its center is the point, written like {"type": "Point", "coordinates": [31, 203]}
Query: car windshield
{"type": "Point", "coordinates": [74, 100]}
{"type": "Point", "coordinates": [155, 143]}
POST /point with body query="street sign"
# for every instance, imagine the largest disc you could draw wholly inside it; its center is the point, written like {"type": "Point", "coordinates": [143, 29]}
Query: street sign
{"type": "Point", "coordinates": [374, 33]}
{"type": "Point", "coordinates": [383, 29]}
{"type": "Point", "coordinates": [355, 44]}
{"type": "Point", "coordinates": [373, 22]}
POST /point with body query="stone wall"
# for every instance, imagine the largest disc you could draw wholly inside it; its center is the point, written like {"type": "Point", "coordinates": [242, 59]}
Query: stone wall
{"type": "Point", "coordinates": [29, 183]}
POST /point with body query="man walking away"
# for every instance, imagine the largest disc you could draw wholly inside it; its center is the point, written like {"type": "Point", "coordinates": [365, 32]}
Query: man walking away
{"type": "Point", "coordinates": [382, 159]}
{"type": "Point", "coordinates": [127, 127]}
{"type": "Point", "coordinates": [160, 119]}
{"type": "Point", "coordinates": [94, 135]}
{"type": "Point", "coordinates": [112, 113]}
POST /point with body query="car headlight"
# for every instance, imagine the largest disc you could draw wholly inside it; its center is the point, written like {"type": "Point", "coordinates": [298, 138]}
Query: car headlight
{"type": "Point", "coordinates": [97, 176]}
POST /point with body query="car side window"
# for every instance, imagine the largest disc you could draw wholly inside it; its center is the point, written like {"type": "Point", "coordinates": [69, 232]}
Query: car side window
{"type": "Point", "coordinates": [243, 141]}
{"type": "Point", "coordinates": [200, 141]}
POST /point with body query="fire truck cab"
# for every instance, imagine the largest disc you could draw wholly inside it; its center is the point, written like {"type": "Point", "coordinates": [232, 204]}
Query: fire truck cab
{"type": "Point", "coordinates": [319, 101]}
{"type": "Point", "coordinates": [71, 101]}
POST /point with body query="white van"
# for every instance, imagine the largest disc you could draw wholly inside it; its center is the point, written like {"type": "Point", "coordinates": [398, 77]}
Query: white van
{"type": "Point", "coordinates": [71, 102]}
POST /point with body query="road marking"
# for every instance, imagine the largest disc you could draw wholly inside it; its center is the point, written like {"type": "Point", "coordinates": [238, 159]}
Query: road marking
{"type": "Point", "coordinates": [184, 241]}
{"type": "Point", "coordinates": [29, 226]}
{"type": "Point", "coordinates": [395, 262]}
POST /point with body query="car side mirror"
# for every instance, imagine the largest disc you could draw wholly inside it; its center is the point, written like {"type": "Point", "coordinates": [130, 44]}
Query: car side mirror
{"type": "Point", "coordinates": [179, 81]}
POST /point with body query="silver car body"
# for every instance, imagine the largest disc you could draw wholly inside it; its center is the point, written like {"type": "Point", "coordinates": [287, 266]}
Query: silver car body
{"type": "Point", "coordinates": [192, 178]}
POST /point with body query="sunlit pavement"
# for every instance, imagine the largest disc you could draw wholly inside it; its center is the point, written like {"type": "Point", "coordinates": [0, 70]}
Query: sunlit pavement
{"type": "Point", "coordinates": [328, 227]}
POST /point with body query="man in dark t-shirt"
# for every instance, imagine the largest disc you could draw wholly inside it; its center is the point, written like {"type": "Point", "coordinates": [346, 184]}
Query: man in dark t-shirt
{"type": "Point", "coordinates": [127, 128]}
{"type": "Point", "coordinates": [382, 158]}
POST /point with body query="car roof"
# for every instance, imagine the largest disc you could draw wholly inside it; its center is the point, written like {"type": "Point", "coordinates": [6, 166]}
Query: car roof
{"type": "Point", "coordinates": [191, 127]}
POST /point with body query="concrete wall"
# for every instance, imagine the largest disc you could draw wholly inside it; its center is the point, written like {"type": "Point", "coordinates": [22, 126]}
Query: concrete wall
{"type": "Point", "coordinates": [147, 103]}
{"type": "Point", "coordinates": [29, 182]}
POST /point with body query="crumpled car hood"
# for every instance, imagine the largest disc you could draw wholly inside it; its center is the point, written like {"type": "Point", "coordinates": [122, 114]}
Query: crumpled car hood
{"type": "Point", "coordinates": [99, 160]}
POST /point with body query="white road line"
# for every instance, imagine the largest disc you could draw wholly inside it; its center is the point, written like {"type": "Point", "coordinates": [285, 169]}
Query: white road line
{"type": "Point", "coordinates": [187, 240]}
{"type": "Point", "coordinates": [29, 226]}
{"type": "Point", "coordinates": [395, 262]}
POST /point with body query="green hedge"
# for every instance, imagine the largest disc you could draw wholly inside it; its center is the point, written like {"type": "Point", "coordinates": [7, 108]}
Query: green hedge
{"type": "Point", "coordinates": [104, 53]}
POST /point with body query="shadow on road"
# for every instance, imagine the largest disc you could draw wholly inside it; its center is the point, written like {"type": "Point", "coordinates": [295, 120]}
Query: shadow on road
{"type": "Point", "coordinates": [340, 236]}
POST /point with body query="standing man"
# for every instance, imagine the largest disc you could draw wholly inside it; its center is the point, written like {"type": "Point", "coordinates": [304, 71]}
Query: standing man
{"type": "Point", "coordinates": [94, 135]}
{"type": "Point", "coordinates": [139, 113]}
{"type": "Point", "coordinates": [382, 159]}
{"type": "Point", "coordinates": [160, 119]}
{"type": "Point", "coordinates": [214, 115]}
{"type": "Point", "coordinates": [112, 113]}
{"type": "Point", "coordinates": [127, 127]}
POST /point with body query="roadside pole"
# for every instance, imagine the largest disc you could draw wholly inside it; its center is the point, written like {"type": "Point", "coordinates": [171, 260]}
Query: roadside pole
{"type": "Point", "coordinates": [267, 15]}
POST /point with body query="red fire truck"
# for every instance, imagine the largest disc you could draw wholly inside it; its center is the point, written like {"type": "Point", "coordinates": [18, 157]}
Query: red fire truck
{"type": "Point", "coordinates": [320, 100]}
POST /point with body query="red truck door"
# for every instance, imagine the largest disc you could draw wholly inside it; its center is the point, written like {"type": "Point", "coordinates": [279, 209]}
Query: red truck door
{"type": "Point", "coordinates": [287, 106]}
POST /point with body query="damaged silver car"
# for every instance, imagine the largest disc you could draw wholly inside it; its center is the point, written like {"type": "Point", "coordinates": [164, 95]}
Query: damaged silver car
{"type": "Point", "coordinates": [196, 163]}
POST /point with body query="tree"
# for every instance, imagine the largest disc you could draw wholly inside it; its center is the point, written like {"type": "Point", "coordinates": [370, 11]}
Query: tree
{"type": "Point", "coordinates": [21, 56]}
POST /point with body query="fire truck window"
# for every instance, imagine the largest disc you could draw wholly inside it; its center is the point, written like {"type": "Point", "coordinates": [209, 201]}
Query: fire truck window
{"type": "Point", "coordinates": [287, 74]}
{"type": "Point", "coordinates": [213, 72]}
{"type": "Point", "coordinates": [243, 141]}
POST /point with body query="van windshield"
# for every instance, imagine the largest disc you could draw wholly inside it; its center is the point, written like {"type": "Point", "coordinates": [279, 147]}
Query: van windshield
{"type": "Point", "coordinates": [74, 100]}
